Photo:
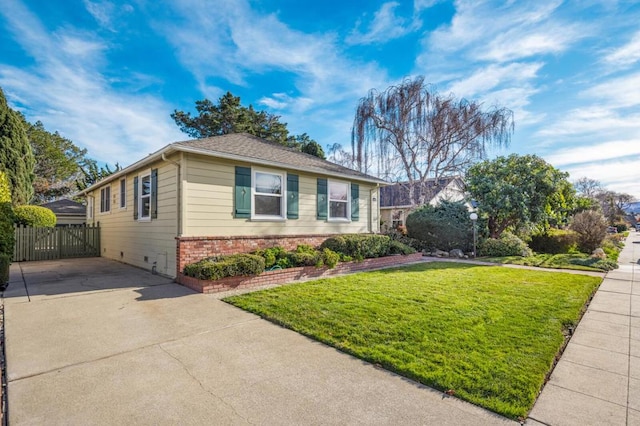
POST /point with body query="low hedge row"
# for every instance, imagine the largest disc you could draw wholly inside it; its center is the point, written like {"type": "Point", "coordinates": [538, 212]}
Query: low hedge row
{"type": "Point", "coordinates": [507, 245]}
{"type": "Point", "coordinates": [217, 267]}
{"type": "Point", "coordinates": [365, 246]}
{"type": "Point", "coordinates": [344, 247]}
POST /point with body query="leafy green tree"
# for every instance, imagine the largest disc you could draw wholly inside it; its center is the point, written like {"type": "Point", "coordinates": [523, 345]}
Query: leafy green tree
{"type": "Point", "coordinates": [229, 116]}
{"type": "Point", "coordinates": [304, 143]}
{"type": "Point", "coordinates": [518, 192]}
{"type": "Point", "coordinates": [92, 173]}
{"type": "Point", "coordinates": [16, 156]}
{"type": "Point", "coordinates": [58, 163]}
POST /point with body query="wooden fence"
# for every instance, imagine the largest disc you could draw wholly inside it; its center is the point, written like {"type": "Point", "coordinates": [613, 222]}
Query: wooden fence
{"type": "Point", "coordinates": [56, 243]}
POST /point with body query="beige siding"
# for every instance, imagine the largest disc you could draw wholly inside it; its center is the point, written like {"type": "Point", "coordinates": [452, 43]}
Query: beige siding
{"type": "Point", "coordinates": [131, 241]}
{"type": "Point", "coordinates": [209, 192]}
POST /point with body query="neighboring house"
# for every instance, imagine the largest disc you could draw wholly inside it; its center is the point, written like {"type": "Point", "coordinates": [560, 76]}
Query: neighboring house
{"type": "Point", "coordinates": [67, 212]}
{"type": "Point", "coordinates": [226, 194]}
{"type": "Point", "coordinates": [396, 204]}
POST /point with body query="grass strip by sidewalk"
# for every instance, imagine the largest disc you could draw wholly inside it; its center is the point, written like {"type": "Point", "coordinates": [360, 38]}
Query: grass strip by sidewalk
{"type": "Point", "coordinates": [556, 261]}
{"type": "Point", "coordinates": [489, 334]}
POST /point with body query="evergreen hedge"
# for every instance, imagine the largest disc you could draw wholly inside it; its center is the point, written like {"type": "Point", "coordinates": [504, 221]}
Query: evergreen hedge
{"type": "Point", "coordinates": [37, 216]}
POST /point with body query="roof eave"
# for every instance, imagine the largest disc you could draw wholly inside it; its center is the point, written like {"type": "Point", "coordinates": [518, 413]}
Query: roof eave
{"type": "Point", "coordinates": [155, 156]}
{"type": "Point", "coordinates": [227, 156]}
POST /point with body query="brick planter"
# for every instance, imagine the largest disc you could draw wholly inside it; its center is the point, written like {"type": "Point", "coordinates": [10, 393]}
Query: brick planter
{"type": "Point", "coordinates": [282, 276]}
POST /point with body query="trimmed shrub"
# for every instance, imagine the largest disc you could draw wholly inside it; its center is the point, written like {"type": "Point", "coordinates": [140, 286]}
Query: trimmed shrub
{"type": "Point", "coordinates": [507, 245]}
{"type": "Point", "coordinates": [330, 258]}
{"type": "Point", "coordinates": [35, 216]}
{"type": "Point", "coordinates": [591, 227]}
{"type": "Point", "coordinates": [445, 227]}
{"type": "Point", "coordinates": [363, 246]}
{"type": "Point", "coordinates": [273, 256]}
{"type": "Point", "coordinates": [5, 189]}
{"type": "Point", "coordinates": [217, 267]}
{"type": "Point", "coordinates": [554, 241]}
{"type": "Point", "coordinates": [5, 261]}
{"type": "Point", "coordinates": [397, 247]}
{"type": "Point", "coordinates": [6, 229]}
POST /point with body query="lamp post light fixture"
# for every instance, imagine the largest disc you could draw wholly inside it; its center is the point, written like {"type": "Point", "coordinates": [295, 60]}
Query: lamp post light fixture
{"type": "Point", "coordinates": [474, 218]}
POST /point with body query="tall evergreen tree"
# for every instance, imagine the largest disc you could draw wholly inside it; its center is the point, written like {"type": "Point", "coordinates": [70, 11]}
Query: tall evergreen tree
{"type": "Point", "coordinates": [16, 156]}
{"type": "Point", "coordinates": [58, 163]}
{"type": "Point", "coordinates": [230, 116]}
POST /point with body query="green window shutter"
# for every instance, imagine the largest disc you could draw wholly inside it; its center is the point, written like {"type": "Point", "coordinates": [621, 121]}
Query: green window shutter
{"type": "Point", "coordinates": [322, 199]}
{"type": "Point", "coordinates": [243, 192]}
{"type": "Point", "coordinates": [154, 193]}
{"type": "Point", "coordinates": [355, 204]}
{"type": "Point", "coordinates": [292, 196]}
{"type": "Point", "coordinates": [135, 198]}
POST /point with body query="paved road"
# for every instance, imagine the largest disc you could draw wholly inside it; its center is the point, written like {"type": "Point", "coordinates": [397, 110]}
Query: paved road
{"type": "Point", "coordinates": [92, 341]}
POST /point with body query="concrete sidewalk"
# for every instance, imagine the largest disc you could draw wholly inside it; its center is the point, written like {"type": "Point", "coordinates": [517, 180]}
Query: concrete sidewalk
{"type": "Point", "coordinates": [597, 381]}
{"type": "Point", "coordinates": [104, 343]}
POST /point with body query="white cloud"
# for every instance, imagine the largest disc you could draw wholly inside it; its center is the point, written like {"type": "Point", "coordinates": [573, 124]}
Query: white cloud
{"type": "Point", "coordinates": [618, 175]}
{"type": "Point", "coordinates": [101, 11]}
{"type": "Point", "coordinates": [627, 54]}
{"type": "Point", "coordinates": [619, 92]}
{"type": "Point", "coordinates": [591, 120]}
{"type": "Point", "coordinates": [385, 26]}
{"type": "Point", "coordinates": [492, 76]}
{"type": "Point", "coordinates": [610, 150]}
{"type": "Point", "coordinates": [233, 42]}
{"type": "Point", "coordinates": [485, 25]}
{"type": "Point", "coordinates": [74, 98]}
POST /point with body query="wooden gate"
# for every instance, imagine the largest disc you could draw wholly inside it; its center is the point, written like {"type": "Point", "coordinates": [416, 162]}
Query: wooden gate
{"type": "Point", "coordinates": [56, 243]}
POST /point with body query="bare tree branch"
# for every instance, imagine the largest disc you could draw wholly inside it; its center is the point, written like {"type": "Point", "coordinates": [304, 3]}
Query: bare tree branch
{"type": "Point", "coordinates": [412, 132]}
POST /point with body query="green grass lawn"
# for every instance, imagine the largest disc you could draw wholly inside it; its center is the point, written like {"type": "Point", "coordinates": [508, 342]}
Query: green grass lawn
{"type": "Point", "coordinates": [554, 261]}
{"type": "Point", "coordinates": [490, 334]}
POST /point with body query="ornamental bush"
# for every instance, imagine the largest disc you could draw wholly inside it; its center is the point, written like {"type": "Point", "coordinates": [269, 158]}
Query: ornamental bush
{"type": "Point", "coordinates": [554, 241]}
{"type": "Point", "coordinates": [507, 245]}
{"type": "Point", "coordinates": [446, 226]}
{"type": "Point", "coordinates": [35, 216]}
{"type": "Point", "coordinates": [364, 246]}
{"type": "Point", "coordinates": [217, 267]}
{"type": "Point", "coordinates": [591, 227]}
{"type": "Point", "coordinates": [6, 228]}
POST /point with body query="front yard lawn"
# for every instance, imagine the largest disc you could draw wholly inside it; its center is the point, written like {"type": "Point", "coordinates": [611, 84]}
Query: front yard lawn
{"type": "Point", "coordinates": [489, 334]}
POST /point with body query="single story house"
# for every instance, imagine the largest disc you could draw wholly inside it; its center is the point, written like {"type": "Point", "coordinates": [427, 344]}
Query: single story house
{"type": "Point", "coordinates": [67, 212]}
{"type": "Point", "coordinates": [226, 194]}
{"type": "Point", "coordinates": [396, 203]}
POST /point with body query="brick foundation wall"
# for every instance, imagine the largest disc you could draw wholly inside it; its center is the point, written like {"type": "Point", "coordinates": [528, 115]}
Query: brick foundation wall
{"type": "Point", "coordinates": [283, 276]}
{"type": "Point", "coordinates": [192, 249]}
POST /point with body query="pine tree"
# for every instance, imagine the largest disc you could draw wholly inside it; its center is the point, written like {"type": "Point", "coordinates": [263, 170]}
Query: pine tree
{"type": "Point", "coordinates": [16, 156]}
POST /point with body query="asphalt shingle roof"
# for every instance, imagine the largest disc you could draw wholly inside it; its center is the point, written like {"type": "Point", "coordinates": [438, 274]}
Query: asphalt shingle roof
{"type": "Point", "coordinates": [66, 207]}
{"type": "Point", "coordinates": [258, 150]}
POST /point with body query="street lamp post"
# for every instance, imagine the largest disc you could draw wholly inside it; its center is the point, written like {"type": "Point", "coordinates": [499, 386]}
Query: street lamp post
{"type": "Point", "coordinates": [474, 218]}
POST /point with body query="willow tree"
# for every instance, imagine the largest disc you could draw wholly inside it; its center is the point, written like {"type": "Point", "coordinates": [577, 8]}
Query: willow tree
{"type": "Point", "coordinates": [410, 133]}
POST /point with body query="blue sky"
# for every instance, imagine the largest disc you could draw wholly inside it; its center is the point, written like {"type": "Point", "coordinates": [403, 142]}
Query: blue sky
{"type": "Point", "coordinates": [107, 74]}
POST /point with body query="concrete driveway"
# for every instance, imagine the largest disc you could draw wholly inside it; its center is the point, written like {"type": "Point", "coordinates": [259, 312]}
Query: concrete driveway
{"type": "Point", "coordinates": [100, 342]}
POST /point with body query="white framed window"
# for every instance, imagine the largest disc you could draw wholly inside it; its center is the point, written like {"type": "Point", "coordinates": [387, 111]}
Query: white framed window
{"type": "Point", "coordinates": [339, 200]}
{"type": "Point", "coordinates": [144, 201]}
{"type": "Point", "coordinates": [123, 193]}
{"type": "Point", "coordinates": [268, 191]}
{"type": "Point", "coordinates": [105, 199]}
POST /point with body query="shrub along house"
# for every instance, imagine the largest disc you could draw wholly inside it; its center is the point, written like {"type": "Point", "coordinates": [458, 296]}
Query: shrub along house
{"type": "Point", "coordinates": [226, 194]}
